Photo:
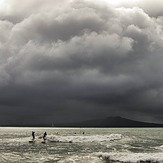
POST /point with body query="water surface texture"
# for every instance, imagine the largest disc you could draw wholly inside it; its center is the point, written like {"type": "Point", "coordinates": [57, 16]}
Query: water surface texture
{"type": "Point", "coordinates": [82, 145]}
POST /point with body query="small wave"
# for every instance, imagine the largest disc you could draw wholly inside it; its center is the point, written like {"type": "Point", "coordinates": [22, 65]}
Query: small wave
{"type": "Point", "coordinates": [91, 138]}
{"type": "Point", "coordinates": [132, 157]}
{"type": "Point", "coordinates": [161, 146]}
{"type": "Point", "coordinates": [81, 159]}
{"type": "Point", "coordinates": [27, 157]}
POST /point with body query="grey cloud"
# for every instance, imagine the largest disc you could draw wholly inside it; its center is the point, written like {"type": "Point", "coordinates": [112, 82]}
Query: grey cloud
{"type": "Point", "coordinates": [152, 8]}
{"type": "Point", "coordinates": [80, 61]}
{"type": "Point", "coordinates": [28, 8]}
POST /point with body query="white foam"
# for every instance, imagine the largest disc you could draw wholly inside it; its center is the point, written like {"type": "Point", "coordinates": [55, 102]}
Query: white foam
{"type": "Point", "coordinates": [85, 138]}
{"type": "Point", "coordinates": [27, 157]}
{"type": "Point", "coordinates": [159, 147]}
{"type": "Point", "coordinates": [81, 159]}
{"type": "Point", "coordinates": [132, 157]}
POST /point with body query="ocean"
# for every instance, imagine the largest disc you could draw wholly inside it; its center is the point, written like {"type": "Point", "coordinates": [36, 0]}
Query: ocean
{"type": "Point", "coordinates": [82, 145]}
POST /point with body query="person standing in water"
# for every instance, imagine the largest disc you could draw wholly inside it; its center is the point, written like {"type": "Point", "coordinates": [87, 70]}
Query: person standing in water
{"type": "Point", "coordinates": [44, 136]}
{"type": "Point", "coordinates": [33, 135]}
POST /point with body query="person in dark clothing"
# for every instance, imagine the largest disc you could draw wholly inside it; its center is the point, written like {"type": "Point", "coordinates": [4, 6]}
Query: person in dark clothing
{"type": "Point", "coordinates": [44, 136]}
{"type": "Point", "coordinates": [33, 135]}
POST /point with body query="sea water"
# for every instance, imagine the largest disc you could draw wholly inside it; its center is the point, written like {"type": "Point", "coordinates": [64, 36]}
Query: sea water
{"type": "Point", "coordinates": [82, 145]}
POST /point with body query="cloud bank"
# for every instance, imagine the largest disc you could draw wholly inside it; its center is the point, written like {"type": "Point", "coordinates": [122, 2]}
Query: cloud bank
{"type": "Point", "coordinates": [75, 60]}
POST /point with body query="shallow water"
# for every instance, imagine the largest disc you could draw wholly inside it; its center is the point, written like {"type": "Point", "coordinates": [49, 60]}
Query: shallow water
{"type": "Point", "coordinates": [97, 145]}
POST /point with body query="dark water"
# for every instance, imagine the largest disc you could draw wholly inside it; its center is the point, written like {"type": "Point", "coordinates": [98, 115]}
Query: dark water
{"type": "Point", "coordinates": [71, 145]}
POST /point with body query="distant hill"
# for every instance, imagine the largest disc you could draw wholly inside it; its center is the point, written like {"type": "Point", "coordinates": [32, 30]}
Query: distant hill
{"type": "Point", "coordinates": [109, 122]}
{"type": "Point", "coordinates": [106, 122]}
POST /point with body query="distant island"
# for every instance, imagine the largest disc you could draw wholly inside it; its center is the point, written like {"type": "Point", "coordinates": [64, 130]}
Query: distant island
{"type": "Point", "coordinates": [109, 122]}
{"type": "Point", "coordinates": [117, 122]}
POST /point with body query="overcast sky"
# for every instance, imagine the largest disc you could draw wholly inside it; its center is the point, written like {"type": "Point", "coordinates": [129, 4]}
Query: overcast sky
{"type": "Point", "coordinates": [72, 60]}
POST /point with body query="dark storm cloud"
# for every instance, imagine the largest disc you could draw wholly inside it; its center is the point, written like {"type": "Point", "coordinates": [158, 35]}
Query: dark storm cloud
{"type": "Point", "coordinates": [84, 60]}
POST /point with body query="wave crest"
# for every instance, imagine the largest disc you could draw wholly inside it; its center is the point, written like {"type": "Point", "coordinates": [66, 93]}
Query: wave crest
{"type": "Point", "coordinates": [132, 157]}
{"type": "Point", "coordinates": [85, 138]}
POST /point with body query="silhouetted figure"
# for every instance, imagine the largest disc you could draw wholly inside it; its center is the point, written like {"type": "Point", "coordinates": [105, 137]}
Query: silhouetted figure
{"type": "Point", "coordinates": [44, 136]}
{"type": "Point", "coordinates": [83, 133]}
{"type": "Point", "coordinates": [33, 135]}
